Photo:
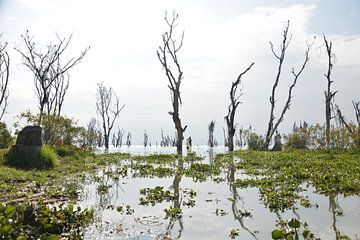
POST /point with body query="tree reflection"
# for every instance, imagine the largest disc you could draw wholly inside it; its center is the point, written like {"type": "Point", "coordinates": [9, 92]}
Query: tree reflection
{"type": "Point", "coordinates": [237, 199]}
{"type": "Point", "coordinates": [335, 210]}
{"type": "Point", "coordinates": [177, 201]}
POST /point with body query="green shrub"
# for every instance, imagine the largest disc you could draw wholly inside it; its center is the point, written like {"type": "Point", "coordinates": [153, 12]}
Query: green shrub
{"type": "Point", "coordinates": [29, 157]}
{"type": "Point", "coordinates": [69, 151]}
{"type": "Point", "coordinates": [255, 142]}
{"type": "Point", "coordinates": [5, 137]}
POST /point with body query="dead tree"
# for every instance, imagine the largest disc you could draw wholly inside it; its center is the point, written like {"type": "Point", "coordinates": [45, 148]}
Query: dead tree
{"type": "Point", "coordinates": [168, 56]}
{"type": "Point", "coordinates": [119, 137]}
{"type": "Point", "coordinates": [57, 93]}
{"type": "Point", "coordinates": [108, 107]}
{"type": "Point", "coordinates": [4, 78]}
{"type": "Point", "coordinates": [234, 103]}
{"type": "Point", "coordinates": [46, 65]}
{"type": "Point", "coordinates": [225, 138]}
{"type": "Point", "coordinates": [128, 139]}
{"type": "Point", "coordinates": [329, 94]}
{"type": "Point", "coordinates": [211, 129]}
{"type": "Point", "coordinates": [273, 126]}
{"type": "Point", "coordinates": [353, 128]}
{"type": "Point", "coordinates": [146, 138]}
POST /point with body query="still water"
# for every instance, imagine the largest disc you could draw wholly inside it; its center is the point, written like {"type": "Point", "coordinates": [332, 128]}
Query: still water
{"type": "Point", "coordinates": [210, 209]}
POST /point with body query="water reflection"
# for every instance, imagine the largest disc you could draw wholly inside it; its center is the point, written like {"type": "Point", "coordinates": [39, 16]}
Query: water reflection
{"type": "Point", "coordinates": [242, 208]}
{"type": "Point", "coordinates": [177, 201]}
{"type": "Point", "coordinates": [237, 200]}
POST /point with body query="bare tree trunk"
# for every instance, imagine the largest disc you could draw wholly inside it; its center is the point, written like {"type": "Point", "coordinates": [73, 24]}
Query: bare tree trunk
{"type": "Point", "coordinates": [272, 127]}
{"type": "Point", "coordinates": [168, 52]}
{"type": "Point", "coordinates": [234, 103]}
{"type": "Point", "coordinates": [4, 78]}
{"type": "Point", "coordinates": [329, 95]}
{"type": "Point", "coordinates": [211, 128]}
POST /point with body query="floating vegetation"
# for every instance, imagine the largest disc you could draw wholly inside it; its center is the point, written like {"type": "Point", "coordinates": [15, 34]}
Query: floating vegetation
{"type": "Point", "coordinates": [155, 195]}
{"type": "Point", "coordinates": [25, 221]}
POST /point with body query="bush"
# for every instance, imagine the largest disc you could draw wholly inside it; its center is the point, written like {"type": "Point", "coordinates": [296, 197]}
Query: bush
{"type": "Point", "coordinates": [70, 152]}
{"type": "Point", "coordinates": [5, 137]}
{"type": "Point", "coordinates": [29, 157]}
{"type": "Point", "coordinates": [299, 138]}
{"type": "Point", "coordinates": [255, 142]}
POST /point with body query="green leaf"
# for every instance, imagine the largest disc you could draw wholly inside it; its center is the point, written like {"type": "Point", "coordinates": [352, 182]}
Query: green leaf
{"type": "Point", "coordinates": [306, 234]}
{"type": "Point", "coordinates": [10, 211]}
{"type": "Point", "coordinates": [294, 223]}
{"type": "Point", "coordinates": [277, 234]}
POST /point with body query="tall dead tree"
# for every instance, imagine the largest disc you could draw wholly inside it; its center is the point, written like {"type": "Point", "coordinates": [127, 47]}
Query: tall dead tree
{"type": "Point", "coordinates": [46, 65]}
{"type": "Point", "coordinates": [4, 78]}
{"type": "Point", "coordinates": [108, 107]}
{"type": "Point", "coordinates": [273, 126]}
{"type": "Point", "coordinates": [329, 94]}
{"type": "Point", "coordinates": [168, 57]}
{"type": "Point", "coordinates": [211, 129]}
{"type": "Point", "coordinates": [235, 94]}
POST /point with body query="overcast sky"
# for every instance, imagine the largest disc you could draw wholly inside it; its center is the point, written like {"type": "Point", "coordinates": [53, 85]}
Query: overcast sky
{"type": "Point", "coordinates": [221, 39]}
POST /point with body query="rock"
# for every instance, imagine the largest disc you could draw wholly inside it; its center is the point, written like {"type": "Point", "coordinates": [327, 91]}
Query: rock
{"type": "Point", "coordinates": [26, 153]}
{"type": "Point", "coordinates": [30, 135]}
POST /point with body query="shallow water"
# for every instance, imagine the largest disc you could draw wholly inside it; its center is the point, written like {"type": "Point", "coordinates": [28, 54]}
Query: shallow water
{"type": "Point", "coordinates": [217, 210]}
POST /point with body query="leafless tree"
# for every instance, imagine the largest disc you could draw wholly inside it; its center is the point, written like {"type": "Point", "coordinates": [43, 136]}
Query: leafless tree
{"type": "Point", "coordinates": [168, 56]}
{"type": "Point", "coordinates": [4, 78]}
{"type": "Point", "coordinates": [273, 126]}
{"type": "Point", "coordinates": [329, 94]}
{"type": "Point", "coordinates": [235, 94]}
{"type": "Point", "coordinates": [128, 139]}
{"type": "Point", "coordinates": [225, 138]}
{"type": "Point", "coordinates": [120, 134]}
{"type": "Point", "coordinates": [146, 138]}
{"type": "Point", "coordinates": [353, 128]}
{"type": "Point", "coordinates": [57, 93]}
{"type": "Point", "coordinates": [46, 65]}
{"type": "Point", "coordinates": [108, 107]}
{"type": "Point", "coordinates": [211, 129]}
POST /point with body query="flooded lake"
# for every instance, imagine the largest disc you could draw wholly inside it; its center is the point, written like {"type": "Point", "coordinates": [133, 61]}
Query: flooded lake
{"type": "Point", "coordinates": [169, 202]}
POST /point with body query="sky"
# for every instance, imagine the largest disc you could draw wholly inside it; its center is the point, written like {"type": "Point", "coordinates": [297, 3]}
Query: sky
{"type": "Point", "coordinates": [221, 39]}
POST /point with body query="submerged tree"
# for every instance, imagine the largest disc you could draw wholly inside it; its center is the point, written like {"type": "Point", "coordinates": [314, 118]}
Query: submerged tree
{"type": "Point", "coordinates": [168, 56]}
{"type": "Point", "coordinates": [47, 67]}
{"type": "Point", "coordinates": [108, 107]}
{"type": "Point", "coordinates": [235, 94]}
{"type": "Point", "coordinates": [329, 94]}
{"type": "Point", "coordinates": [211, 129]}
{"type": "Point", "coordinates": [273, 126]}
{"type": "Point", "coordinates": [4, 78]}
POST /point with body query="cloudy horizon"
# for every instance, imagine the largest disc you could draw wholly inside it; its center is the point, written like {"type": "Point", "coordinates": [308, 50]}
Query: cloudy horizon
{"type": "Point", "coordinates": [221, 40]}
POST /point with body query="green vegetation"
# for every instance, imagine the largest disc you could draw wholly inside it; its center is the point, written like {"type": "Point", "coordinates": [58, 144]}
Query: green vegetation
{"type": "Point", "coordinates": [280, 175]}
{"type": "Point", "coordinates": [28, 157]}
{"type": "Point", "coordinates": [26, 221]}
{"type": "Point", "coordinates": [281, 178]}
{"type": "Point", "coordinates": [5, 136]}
